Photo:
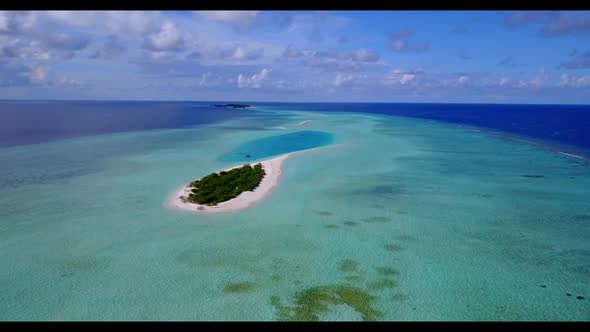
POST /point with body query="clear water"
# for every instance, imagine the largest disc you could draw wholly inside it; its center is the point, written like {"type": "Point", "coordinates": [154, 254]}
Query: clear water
{"type": "Point", "coordinates": [475, 225]}
{"type": "Point", "coordinates": [277, 145]}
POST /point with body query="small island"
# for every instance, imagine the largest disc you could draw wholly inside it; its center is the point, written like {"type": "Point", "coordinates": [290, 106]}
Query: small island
{"type": "Point", "coordinates": [225, 185]}
{"type": "Point", "coordinates": [232, 189]}
{"type": "Point", "coordinates": [233, 105]}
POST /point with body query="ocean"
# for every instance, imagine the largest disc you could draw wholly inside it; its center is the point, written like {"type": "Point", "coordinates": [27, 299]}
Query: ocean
{"type": "Point", "coordinates": [410, 212]}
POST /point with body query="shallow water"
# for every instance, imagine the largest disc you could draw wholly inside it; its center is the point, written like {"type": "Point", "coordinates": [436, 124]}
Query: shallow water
{"type": "Point", "coordinates": [432, 221]}
{"type": "Point", "coordinates": [276, 145]}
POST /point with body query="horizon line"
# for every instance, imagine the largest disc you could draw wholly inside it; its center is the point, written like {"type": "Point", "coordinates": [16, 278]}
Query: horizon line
{"type": "Point", "coordinates": [284, 102]}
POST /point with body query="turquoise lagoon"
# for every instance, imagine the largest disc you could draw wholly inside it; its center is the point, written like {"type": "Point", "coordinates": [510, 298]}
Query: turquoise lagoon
{"type": "Point", "coordinates": [432, 220]}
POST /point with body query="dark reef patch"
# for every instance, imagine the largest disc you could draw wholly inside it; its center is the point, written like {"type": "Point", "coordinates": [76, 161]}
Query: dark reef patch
{"type": "Point", "coordinates": [351, 223]}
{"type": "Point", "coordinates": [238, 287]}
{"type": "Point", "coordinates": [387, 271]}
{"type": "Point", "coordinates": [383, 189]}
{"type": "Point", "coordinates": [310, 303]}
{"type": "Point", "coordinates": [325, 213]}
{"type": "Point", "coordinates": [392, 247]}
{"type": "Point", "coordinates": [348, 265]}
{"type": "Point", "coordinates": [407, 238]}
{"type": "Point", "coordinates": [399, 297]}
{"type": "Point", "coordinates": [377, 206]}
{"type": "Point", "coordinates": [331, 226]}
{"type": "Point", "coordinates": [383, 284]}
{"type": "Point", "coordinates": [353, 278]}
{"type": "Point", "coordinates": [533, 176]}
{"type": "Point", "coordinates": [81, 264]}
{"type": "Point", "coordinates": [371, 220]}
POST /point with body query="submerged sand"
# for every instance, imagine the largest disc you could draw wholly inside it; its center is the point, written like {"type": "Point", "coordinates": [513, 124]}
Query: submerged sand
{"type": "Point", "coordinates": [272, 169]}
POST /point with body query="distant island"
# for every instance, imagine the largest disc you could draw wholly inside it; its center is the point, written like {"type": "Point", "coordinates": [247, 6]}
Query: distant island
{"type": "Point", "coordinates": [225, 185]}
{"type": "Point", "coordinates": [233, 105]}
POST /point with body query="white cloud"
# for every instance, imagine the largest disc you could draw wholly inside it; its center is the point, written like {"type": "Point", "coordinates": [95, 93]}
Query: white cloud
{"type": "Point", "coordinates": [73, 18]}
{"type": "Point", "coordinates": [398, 45]}
{"type": "Point", "coordinates": [16, 21]}
{"type": "Point", "coordinates": [407, 78]}
{"type": "Point", "coordinates": [4, 24]}
{"type": "Point", "coordinates": [463, 80]}
{"type": "Point", "coordinates": [68, 81]}
{"type": "Point", "coordinates": [574, 81]}
{"type": "Point", "coordinates": [242, 53]}
{"type": "Point", "coordinates": [115, 21]}
{"type": "Point", "coordinates": [134, 21]}
{"type": "Point", "coordinates": [291, 52]}
{"type": "Point", "coordinates": [540, 80]}
{"type": "Point", "coordinates": [38, 74]}
{"type": "Point", "coordinates": [239, 19]}
{"type": "Point", "coordinates": [365, 55]}
{"type": "Point", "coordinates": [398, 76]}
{"type": "Point", "coordinates": [254, 81]}
{"type": "Point", "coordinates": [341, 79]}
{"type": "Point", "coordinates": [167, 39]}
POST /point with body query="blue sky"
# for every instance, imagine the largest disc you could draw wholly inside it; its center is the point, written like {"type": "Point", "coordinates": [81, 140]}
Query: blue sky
{"type": "Point", "coordinates": [308, 56]}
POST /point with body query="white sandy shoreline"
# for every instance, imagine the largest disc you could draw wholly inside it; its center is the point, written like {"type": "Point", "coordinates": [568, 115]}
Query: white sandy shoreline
{"type": "Point", "coordinates": [272, 169]}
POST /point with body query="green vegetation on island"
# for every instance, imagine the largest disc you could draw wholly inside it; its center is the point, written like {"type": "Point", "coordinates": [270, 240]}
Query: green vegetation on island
{"type": "Point", "coordinates": [220, 187]}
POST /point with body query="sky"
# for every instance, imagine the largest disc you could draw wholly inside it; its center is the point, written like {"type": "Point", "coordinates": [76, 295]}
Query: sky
{"type": "Point", "coordinates": [297, 56]}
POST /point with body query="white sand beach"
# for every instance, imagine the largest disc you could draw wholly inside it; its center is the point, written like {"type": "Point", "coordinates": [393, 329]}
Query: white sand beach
{"type": "Point", "coordinates": [272, 169]}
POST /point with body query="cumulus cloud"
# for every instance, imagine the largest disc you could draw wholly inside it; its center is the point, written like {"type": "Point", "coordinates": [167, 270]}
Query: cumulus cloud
{"type": "Point", "coordinates": [540, 80]}
{"type": "Point", "coordinates": [254, 81]}
{"type": "Point", "coordinates": [365, 55]}
{"type": "Point", "coordinates": [168, 38]}
{"type": "Point", "coordinates": [38, 74]}
{"type": "Point", "coordinates": [333, 60]}
{"type": "Point", "coordinates": [342, 79]}
{"type": "Point", "coordinates": [22, 49]}
{"type": "Point", "coordinates": [66, 44]}
{"type": "Point", "coordinates": [407, 78]}
{"type": "Point", "coordinates": [238, 19]}
{"type": "Point", "coordinates": [113, 21]}
{"type": "Point", "coordinates": [291, 52]}
{"type": "Point", "coordinates": [12, 22]}
{"type": "Point", "coordinates": [463, 79]}
{"type": "Point", "coordinates": [574, 81]}
{"type": "Point", "coordinates": [242, 53]}
{"type": "Point", "coordinates": [398, 76]}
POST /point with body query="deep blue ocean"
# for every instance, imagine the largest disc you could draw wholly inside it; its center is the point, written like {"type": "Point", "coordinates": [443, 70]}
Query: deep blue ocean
{"type": "Point", "coordinates": [27, 122]}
